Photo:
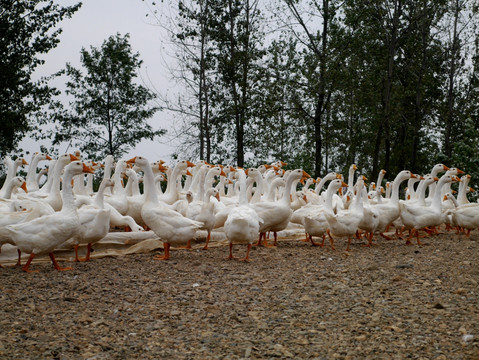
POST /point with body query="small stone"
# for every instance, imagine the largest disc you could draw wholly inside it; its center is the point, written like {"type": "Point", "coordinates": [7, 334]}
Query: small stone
{"type": "Point", "coordinates": [460, 291]}
{"type": "Point", "coordinates": [361, 338]}
{"type": "Point", "coordinates": [467, 337]}
{"type": "Point", "coordinates": [394, 328]}
{"type": "Point", "coordinates": [438, 306]}
{"type": "Point", "coordinates": [404, 266]}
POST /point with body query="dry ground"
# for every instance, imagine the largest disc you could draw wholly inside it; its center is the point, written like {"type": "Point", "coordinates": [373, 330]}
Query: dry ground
{"type": "Point", "coordinates": [390, 301]}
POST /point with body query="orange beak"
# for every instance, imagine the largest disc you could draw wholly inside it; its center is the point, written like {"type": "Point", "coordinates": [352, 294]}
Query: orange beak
{"type": "Point", "coordinates": [267, 166]}
{"type": "Point", "coordinates": [87, 169]}
{"type": "Point", "coordinates": [460, 171]}
{"type": "Point", "coordinates": [343, 184]}
{"type": "Point", "coordinates": [189, 163]}
{"type": "Point", "coordinates": [24, 187]}
{"type": "Point", "coordinates": [306, 175]}
{"type": "Point", "coordinates": [188, 173]}
{"type": "Point", "coordinates": [131, 161]}
{"type": "Point", "coordinates": [445, 168]}
{"type": "Point", "coordinates": [73, 158]}
{"type": "Point", "coordinates": [217, 196]}
{"type": "Point", "coordinates": [24, 162]}
{"type": "Point", "coordinates": [340, 191]}
{"type": "Point", "coordinates": [246, 171]}
{"type": "Point", "coordinates": [222, 173]}
{"type": "Point", "coordinates": [436, 178]}
{"type": "Point", "coordinates": [283, 163]}
{"type": "Point", "coordinates": [232, 168]}
{"type": "Point", "coordinates": [48, 158]}
{"type": "Point", "coordinates": [338, 176]}
{"type": "Point", "coordinates": [413, 176]}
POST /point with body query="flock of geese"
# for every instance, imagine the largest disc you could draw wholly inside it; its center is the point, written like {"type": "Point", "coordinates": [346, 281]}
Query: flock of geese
{"type": "Point", "coordinates": [246, 204]}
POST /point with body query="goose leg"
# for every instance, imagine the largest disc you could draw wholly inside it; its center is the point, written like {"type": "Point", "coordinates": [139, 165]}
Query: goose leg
{"type": "Point", "coordinates": [468, 232]}
{"type": "Point", "coordinates": [322, 242]}
{"type": "Point", "coordinates": [275, 239]}
{"type": "Point", "coordinates": [19, 260]}
{"type": "Point", "coordinates": [88, 251]}
{"type": "Point", "coordinates": [207, 240]}
{"type": "Point", "coordinates": [259, 240]}
{"type": "Point", "coordinates": [331, 240]}
{"type": "Point", "coordinates": [246, 258]}
{"type": "Point", "coordinates": [312, 242]}
{"type": "Point", "coordinates": [349, 243]}
{"type": "Point", "coordinates": [188, 246]}
{"type": "Point", "coordinates": [56, 265]}
{"type": "Point", "coordinates": [166, 255]}
{"type": "Point", "coordinates": [231, 257]}
{"type": "Point", "coordinates": [27, 265]}
{"type": "Point", "coordinates": [411, 233]}
{"type": "Point", "coordinates": [417, 237]}
{"type": "Point", "coordinates": [306, 239]}
{"type": "Point", "coordinates": [77, 259]}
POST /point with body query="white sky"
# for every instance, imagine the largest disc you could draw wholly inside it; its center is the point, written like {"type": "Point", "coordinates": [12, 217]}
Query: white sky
{"type": "Point", "coordinates": [93, 23]}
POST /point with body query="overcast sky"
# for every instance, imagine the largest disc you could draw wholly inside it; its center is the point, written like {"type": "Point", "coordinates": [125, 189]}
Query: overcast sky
{"type": "Point", "coordinates": [90, 26]}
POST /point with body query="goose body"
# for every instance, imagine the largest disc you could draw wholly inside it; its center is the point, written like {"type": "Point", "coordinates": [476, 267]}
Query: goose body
{"type": "Point", "coordinates": [43, 235]}
{"type": "Point", "coordinates": [417, 217]}
{"type": "Point", "coordinates": [172, 227]}
{"type": "Point", "coordinates": [94, 222]}
{"type": "Point", "coordinates": [346, 221]}
{"type": "Point", "coordinates": [243, 223]}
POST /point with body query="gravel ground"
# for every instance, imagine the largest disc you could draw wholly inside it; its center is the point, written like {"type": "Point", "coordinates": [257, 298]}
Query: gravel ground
{"type": "Point", "coordinates": [390, 301]}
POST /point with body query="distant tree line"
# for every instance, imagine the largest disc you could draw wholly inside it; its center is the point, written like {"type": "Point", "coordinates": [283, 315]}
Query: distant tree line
{"type": "Point", "coordinates": [321, 84]}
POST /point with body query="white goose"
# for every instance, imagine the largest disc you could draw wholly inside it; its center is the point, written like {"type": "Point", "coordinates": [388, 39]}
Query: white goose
{"type": "Point", "coordinates": [94, 222]}
{"type": "Point", "coordinates": [43, 235]}
{"type": "Point", "coordinates": [31, 178]}
{"type": "Point", "coordinates": [276, 215]}
{"type": "Point", "coordinates": [207, 213]}
{"type": "Point", "coordinates": [243, 223]}
{"type": "Point", "coordinates": [12, 166]}
{"type": "Point", "coordinates": [417, 217]}
{"type": "Point", "coordinates": [314, 220]}
{"type": "Point", "coordinates": [169, 225]}
{"type": "Point", "coordinates": [346, 221]}
{"type": "Point", "coordinates": [388, 209]}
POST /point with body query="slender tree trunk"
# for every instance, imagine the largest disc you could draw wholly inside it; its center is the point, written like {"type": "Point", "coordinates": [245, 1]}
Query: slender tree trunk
{"type": "Point", "coordinates": [320, 104]}
{"type": "Point", "coordinates": [448, 140]}
{"type": "Point", "coordinates": [238, 120]}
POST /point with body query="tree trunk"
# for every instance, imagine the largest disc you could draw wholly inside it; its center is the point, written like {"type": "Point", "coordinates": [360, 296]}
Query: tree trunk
{"type": "Point", "coordinates": [448, 141]}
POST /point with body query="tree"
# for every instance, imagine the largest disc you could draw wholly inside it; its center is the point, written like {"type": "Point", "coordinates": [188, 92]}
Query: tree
{"type": "Point", "coordinates": [28, 29]}
{"type": "Point", "coordinates": [109, 111]}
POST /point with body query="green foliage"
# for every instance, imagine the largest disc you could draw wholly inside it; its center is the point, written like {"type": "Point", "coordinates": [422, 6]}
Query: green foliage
{"type": "Point", "coordinates": [28, 29]}
{"type": "Point", "coordinates": [109, 111]}
{"type": "Point", "coordinates": [386, 84]}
